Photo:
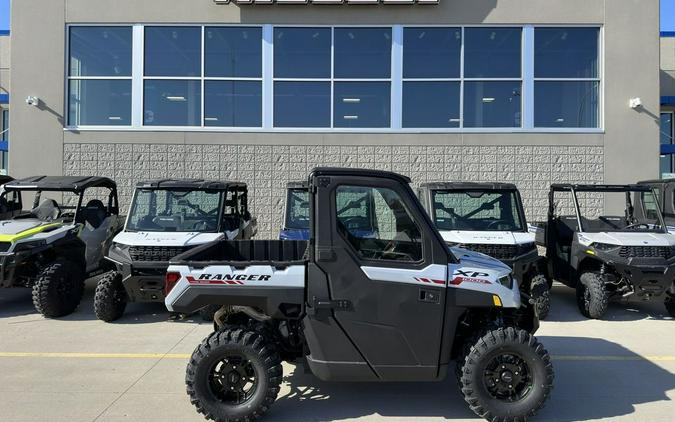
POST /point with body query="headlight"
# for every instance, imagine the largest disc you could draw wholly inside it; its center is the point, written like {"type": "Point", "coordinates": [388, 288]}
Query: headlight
{"type": "Point", "coordinates": [26, 246]}
{"type": "Point", "coordinates": [604, 247]}
{"type": "Point", "coordinates": [506, 281]}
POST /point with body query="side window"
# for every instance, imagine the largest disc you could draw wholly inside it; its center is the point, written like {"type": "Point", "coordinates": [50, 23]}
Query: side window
{"type": "Point", "coordinates": [649, 203]}
{"type": "Point", "coordinates": [377, 224]}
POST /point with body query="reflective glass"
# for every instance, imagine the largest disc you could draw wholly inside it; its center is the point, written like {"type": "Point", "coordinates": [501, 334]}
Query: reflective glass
{"type": "Point", "coordinates": [362, 52]}
{"type": "Point", "coordinates": [431, 52]}
{"type": "Point", "coordinates": [100, 51]}
{"type": "Point", "coordinates": [302, 52]}
{"type": "Point", "coordinates": [362, 104]}
{"type": "Point", "coordinates": [431, 104]}
{"type": "Point", "coordinates": [492, 104]}
{"type": "Point", "coordinates": [566, 52]}
{"type": "Point", "coordinates": [492, 52]}
{"type": "Point", "coordinates": [99, 102]}
{"type": "Point", "coordinates": [172, 103]}
{"type": "Point", "coordinates": [566, 104]}
{"type": "Point", "coordinates": [233, 52]}
{"type": "Point", "coordinates": [173, 51]}
{"type": "Point", "coordinates": [302, 104]}
{"type": "Point", "coordinates": [233, 103]}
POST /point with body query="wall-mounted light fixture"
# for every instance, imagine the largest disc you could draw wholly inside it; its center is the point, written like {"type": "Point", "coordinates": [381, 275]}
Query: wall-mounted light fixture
{"type": "Point", "coordinates": [635, 103]}
{"type": "Point", "coordinates": [32, 101]}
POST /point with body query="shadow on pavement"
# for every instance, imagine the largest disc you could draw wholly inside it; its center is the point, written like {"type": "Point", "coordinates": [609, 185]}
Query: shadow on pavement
{"type": "Point", "coordinates": [584, 389]}
{"type": "Point", "coordinates": [564, 308]}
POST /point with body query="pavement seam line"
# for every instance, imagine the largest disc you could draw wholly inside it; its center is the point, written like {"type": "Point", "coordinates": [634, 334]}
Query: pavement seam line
{"type": "Point", "coordinates": [154, 365]}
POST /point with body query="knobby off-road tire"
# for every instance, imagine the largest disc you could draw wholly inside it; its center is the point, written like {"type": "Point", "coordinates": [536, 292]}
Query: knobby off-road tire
{"type": "Point", "coordinates": [234, 376]}
{"type": "Point", "coordinates": [670, 304]}
{"type": "Point", "coordinates": [110, 299]}
{"type": "Point", "coordinates": [506, 375]}
{"type": "Point", "coordinates": [592, 297]}
{"type": "Point", "coordinates": [58, 288]}
{"type": "Point", "coordinates": [540, 293]}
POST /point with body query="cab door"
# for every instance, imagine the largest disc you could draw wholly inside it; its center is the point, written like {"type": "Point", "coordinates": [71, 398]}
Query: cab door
{"type": "Point", "coordinates": [387, 289]}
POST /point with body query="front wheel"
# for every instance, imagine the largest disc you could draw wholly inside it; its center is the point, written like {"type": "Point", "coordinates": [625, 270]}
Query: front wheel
{"type": "Point", "coordinates": [58, 288]}
{"type": "Point", "coordinates": [592, 297]}
{"type": "Point", "coordinates": [110, 299]}
{"type": "Point", "coordinates": [234, 376]}
{"type": "Point", "coordinates": [540, 292]}
{"type": "Point", "coordinates": [506, 375]}
{"type": "Point", "coordinates": [670, 304]}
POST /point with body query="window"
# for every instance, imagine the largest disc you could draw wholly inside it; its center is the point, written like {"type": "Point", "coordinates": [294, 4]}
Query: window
{"type": "Point", "coordinates": [99, 76]}
{"type": "Point", "coordinates": [160, 210]}
{"type": "Point", "coordinates": [344, 78]}
{"type": "Point", "coordinates": [566, 67]}
{"type": "Point", "coordinates": [431, 77]}
{"type": "Point", "coordinates": [649, 202]}
{"type": "Point", "coordinates": [297, 215]}
{"type": "Point", "coordinates": [667, 133]}
{"type": "Point", "coordinates": [480, 211]}
{"type": "Point", "coordinates": [4, 138]}
{"type": "Point", "coordinates": [377, 224]}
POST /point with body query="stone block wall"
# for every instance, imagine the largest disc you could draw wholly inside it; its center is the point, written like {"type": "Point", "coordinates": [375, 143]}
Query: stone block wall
{"type": "Point", "coordinates": [267, 168]}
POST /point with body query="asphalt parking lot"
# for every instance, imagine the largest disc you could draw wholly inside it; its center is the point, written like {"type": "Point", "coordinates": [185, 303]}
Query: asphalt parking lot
{"type": "Point", "coordinates": [80, 369]}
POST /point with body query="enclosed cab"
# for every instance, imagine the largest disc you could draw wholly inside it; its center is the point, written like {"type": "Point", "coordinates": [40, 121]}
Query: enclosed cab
{"type": "Point", "coordinates": [392, 303]}
{"type": "Point", "coordinates": [489, 218]}
{"type": "Point", "coordinates": [615, 255]}
{"type": "Point", "coordinates": [168, 217]}
{"type": "Point", "coordinates": [645, 204]}
{"type": "Point", "coordinates": [295, 219]}
{"type": "Point", "coordinates": [53, 245]}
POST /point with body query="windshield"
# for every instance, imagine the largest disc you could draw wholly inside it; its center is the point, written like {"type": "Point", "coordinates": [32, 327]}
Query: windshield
{"type": "Point", "coordinates": [159, 210]}
{"type": "Point", "coordinates": [494, 210]}
{"type": "Point", "coordinates": [618, 213]}
{"type": "Point", "coordinates": [297, 209]}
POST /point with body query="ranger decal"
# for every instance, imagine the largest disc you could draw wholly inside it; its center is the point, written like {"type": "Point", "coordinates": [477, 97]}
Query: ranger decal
{"type": "Point", "coordinates": [226, 278]}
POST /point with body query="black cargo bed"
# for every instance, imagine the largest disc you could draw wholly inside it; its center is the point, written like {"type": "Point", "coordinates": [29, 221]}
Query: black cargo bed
{"type": "Point", "coordinates": [243, 253]}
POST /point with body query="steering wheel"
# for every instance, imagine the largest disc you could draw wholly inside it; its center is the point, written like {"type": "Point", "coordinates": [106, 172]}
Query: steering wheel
{"type": "Point", "coordinates": [636, 225]}
{"type": "Point", "coordinates": [494, 223]}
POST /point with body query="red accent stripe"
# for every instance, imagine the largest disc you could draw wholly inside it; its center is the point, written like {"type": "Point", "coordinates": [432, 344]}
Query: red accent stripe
{"type": "Point", "coordinates": [456, 281]}
{"type": "Point", "coordinates": [438, 281]}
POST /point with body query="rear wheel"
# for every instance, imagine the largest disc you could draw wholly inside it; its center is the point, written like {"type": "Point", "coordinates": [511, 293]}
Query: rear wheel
{"type": "Point", "coordinates": [207, 312]}
{"type": "Point", "coordinates": [506, 375]}
{"type": "Point", "coordinates": [540, 292]}
{"type": "Point", "coordinates": [110, 299]}
{"type": "Point", "coordinates": [234, 376]}
{"type": "Point", "coordinates": [592, 297]}
{"type": "Point", "coordinates": [58, 289]}
{"type": "Point", "coordinates": [670, 304]}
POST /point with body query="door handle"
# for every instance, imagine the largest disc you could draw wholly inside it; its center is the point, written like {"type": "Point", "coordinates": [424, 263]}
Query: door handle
{"type": "Point", "coordinates": [430, 296]}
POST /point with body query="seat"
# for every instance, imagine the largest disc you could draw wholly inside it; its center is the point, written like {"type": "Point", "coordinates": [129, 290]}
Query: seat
{"type": "Point", "coordinates": [48, 210]}
{"type": "Point", "coordinates": [94, 213]}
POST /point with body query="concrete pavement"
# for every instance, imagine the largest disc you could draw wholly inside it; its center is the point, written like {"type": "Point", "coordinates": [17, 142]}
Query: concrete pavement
{"type": "Point", "coordinates": [80, 369]}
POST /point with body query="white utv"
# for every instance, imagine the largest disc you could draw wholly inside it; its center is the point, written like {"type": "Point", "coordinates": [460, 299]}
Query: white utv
{"type": "Point", "coordinates": [168, 217]}
{"type": "Point", "coordinates": [391, 304]}
{"type": "Point", "coordinates": [489, 218]}
{"type": "Point", "coordinates": [53, 247]}
{"type": "Point", "coordinates": [608, 257]}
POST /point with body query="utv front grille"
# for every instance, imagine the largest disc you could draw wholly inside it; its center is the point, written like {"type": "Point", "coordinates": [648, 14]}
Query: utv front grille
{"type": "Point", "coordinates": [500, 252]}
{"type": "Point", "coordinates": [156, 253]}
{"type": "Point", "coordinates": [645, 252]}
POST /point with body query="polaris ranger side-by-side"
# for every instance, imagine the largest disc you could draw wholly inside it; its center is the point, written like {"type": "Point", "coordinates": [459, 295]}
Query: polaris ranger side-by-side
{"type": "Point", "coordinates": [645, 205]}
{"type": "Point", "coordinates": [54, 247]}
{"type": "Point", "coordinates": [489, 218]}
{"type": "Point", "coordinates": [168, 217]}
{"type": "Point", "coordinates": [620, 256]}
{"type": "Point", "coordinates": [395, 306]}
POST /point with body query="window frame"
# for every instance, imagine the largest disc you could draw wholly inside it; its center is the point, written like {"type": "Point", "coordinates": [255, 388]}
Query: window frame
{"type": "Point", "coordinates": [396, 83]}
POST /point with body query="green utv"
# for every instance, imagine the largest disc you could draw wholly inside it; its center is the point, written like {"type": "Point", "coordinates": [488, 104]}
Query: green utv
{"type": "Point", "coordinates": [53, 247]}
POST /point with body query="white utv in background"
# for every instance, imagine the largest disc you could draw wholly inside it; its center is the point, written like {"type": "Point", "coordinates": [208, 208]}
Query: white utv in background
{"type": "Point", "coordinates": [489, 218]}
{"type": "Point", "coordinates": [54, 247]}
{"type": "Point", "coordinates": [393, 304]}
{"type": "Point", "coordinates": [621, 256]}
{"type": "Point", "coordinates": [168, 217]}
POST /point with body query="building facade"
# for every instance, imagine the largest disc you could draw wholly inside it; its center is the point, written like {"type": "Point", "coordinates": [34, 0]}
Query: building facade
{"type": "Point", "coordinates": [667, 115]}
{"type": "Point", "coordinates": [519, 91]}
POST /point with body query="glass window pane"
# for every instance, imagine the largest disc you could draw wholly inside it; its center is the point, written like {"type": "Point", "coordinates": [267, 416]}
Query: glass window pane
{"type": "Point", "coordinates": [172, 103]}
{"type": "Point", "coordinates": [362, 104]}
{"type": "Point", "coordinates": [492, 104]}
{"type": "Point", "coordinates": [666, 165]}
{"type": "Point", "coordinates": [431, 52]}
{"type": "Point", "coordinates": [362, 52]}
{"type": "Point", "coordinates": [667, 128]}
{"type": "Point", "coordinates": [566, 104]}
{"type": "Point", "coordinates": [302, 52]}
{"type": "Point", "coordinates": [99, 102]}
{"type": "Point", "coordinates": [492, 52]}
{"type": "Point", "coordinates": [431, 104]}
{"type": "Point", "coordinates": [233, 52]}
{"type": "Point", "coordinates": [379, 227]}
{"type": "Point", "coordinates": [302, 104]}
{"type": "Point", "coordinates": [100, 51]}
{"type": "Point", "coordinates": [566, 52]}
{"type": "Point", "coordinates": [233, 103]}
{"type": "Point", "coordinates": [173, 51]}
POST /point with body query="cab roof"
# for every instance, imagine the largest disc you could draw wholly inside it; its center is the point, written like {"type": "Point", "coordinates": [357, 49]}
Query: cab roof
{"type": "Point", "coordinates": [5, 179]}
{"type": "Point", "coordinates": [189, 184]}
{"type": "Point", "coordinates": [74, 184]}
{"type": "Point", "coordinates": [341, 171]}
{"type": "Point", "coordinates": [656, 182]}
{"type": "Point", "coordinates": [297, 185]}
{"type": "Point", "coordinates": [468, 186]}
{"type": "Point", "coordinates": [600, 188]}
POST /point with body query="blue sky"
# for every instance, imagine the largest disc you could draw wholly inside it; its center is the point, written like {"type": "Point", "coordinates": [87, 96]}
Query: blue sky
{"type": "Point", "coordinates": [667, 15]}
